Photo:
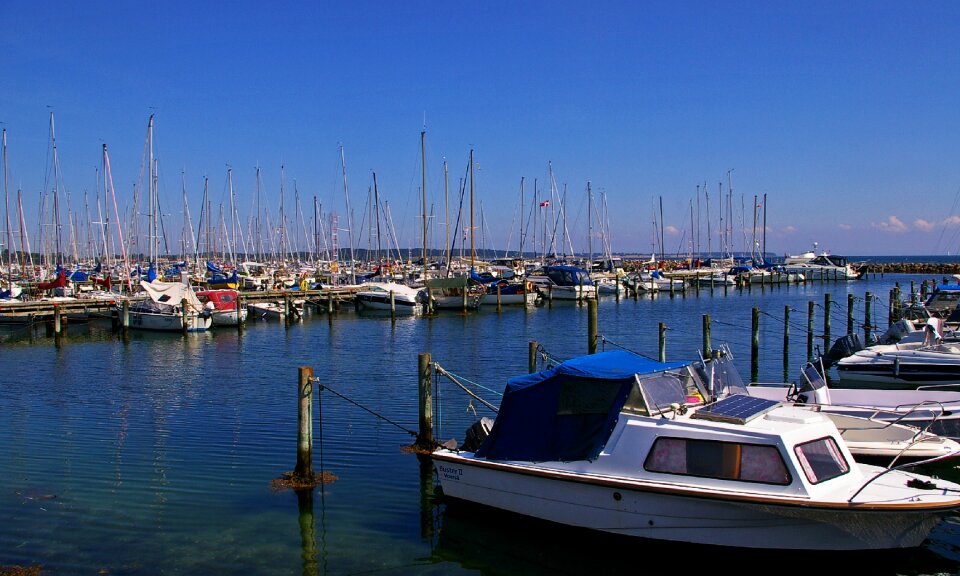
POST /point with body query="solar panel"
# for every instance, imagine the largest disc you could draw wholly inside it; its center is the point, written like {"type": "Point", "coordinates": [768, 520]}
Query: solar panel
{"type": "Point", "coordinates": [735, 409]}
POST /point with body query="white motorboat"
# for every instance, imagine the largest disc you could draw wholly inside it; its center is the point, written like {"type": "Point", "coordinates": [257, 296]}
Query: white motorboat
{"type": "Point", "coordinates": [275, 309]}
{"type": "Point", "coordinates": [823, 267]}
{"type": "Point", "coordinates": [455, 293]}
{"type": "Point", "coordinates": [900, 424]}
{"type": "Point", "coordinates": [618, 443]}
{"type": "Point", "coordinates": [509, 293]}
{"type": "Point", "coordinates": [564, 282]}
{"type": "Point", "coordinates": [402, 299]}
{"type": "Point", "coordinates": [903, 365]}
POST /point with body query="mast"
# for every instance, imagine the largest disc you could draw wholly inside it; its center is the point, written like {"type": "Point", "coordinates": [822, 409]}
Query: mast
{"type": "Point", "coordinates": [521, 222]}
{"type": "Point", "coordinates": [446, 207]}
{"type": "Point", "coordinates": [116, 213]}
{"type": "Point", "coordinates": [56, 193]}
{"type": "Point", "coordinates": [343, 165]}
{"type": "Point", "coordinates": [233, 221]}
{"type": "Point", "coordinates": [11, 251]}
{"type": "Point", "coordinates": [472, 253]}
{"type": "Point", "coordinates": [662, 258]}
{"type": "Point", "coordinates": [589, 228]}
{"type": "Point", "coordinates": [423, 195]}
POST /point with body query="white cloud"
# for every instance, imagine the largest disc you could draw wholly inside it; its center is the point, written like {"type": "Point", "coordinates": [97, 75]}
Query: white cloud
{"type": "Point", "coordinates": [923, 225]}
{"type": "Point", "coordinates": [952, 221]}
{"type": "Point", "coordinates": [789, 229]}
{"type": "Point", "coordinates": [845, 227]}
{"type": "Point", "coordinates": [892, 225]}
{"type": "Point", "coordinates": [671, 230]}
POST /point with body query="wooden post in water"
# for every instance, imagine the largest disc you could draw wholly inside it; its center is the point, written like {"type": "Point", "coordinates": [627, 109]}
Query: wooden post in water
{"type": "Point", "coordinates": [184, 318]}
{"type": "Point", "coordinates": [592, 326]}
{"type": "Point", "coordinates": [706, 336]}
{"type": "Point", "coordinates": [241, 306]}
{"type": "Point", "coordinates": [663, 342]}
{"type": "Point", "coordinates": [304, 469]}
{"type": "Point", "coordinates": [809, 330]}
{"type": "Point", "coordinates": [755, 345]}
{"type": "Point", "coordinates": [532, 356]}
{"type": "Point", "coordinates": [393, 306]}
{"type": "Point", "coordinates": [425, 368]}
{"type": "Point", "coordinates": [57, 321]}
{"type": "Point", "coordinates": [867, 320]}
{"type": "Point", "coordinates": [498, 297]}
{"type": "Point", "coordinates": [850, 301]}
{"type": "Point", "coordinates": [826, 321]}
{"type": "Point", "coordinates": [786, 343]}
{"type": "Point", "coordinates": [125, 318]}
{"type": "Point", "coordinates": [286, 308]}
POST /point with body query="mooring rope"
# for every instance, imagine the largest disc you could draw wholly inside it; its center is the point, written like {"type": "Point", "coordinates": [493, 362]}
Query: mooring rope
{"type": "Point", "coordinates": [453, 378]}
{"type": "Point", "coordinates": [322, 387]}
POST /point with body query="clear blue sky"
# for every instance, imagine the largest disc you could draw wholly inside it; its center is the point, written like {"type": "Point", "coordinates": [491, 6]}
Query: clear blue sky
{"type": "Point", "coordinates": [844, 115]}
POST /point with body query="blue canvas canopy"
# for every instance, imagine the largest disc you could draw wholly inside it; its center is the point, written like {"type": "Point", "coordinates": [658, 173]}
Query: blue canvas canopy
{"type": "Point", "coordinates": [567, 412]}
{"type": "Point", "coordinates": [565, 275]}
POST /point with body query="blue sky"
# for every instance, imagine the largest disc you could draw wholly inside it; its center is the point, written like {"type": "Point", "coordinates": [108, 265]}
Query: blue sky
{"type": "Point", "coordinates": [843, 115]}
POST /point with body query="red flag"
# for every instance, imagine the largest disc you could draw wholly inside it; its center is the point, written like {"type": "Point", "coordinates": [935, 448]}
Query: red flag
{"type": "Point", "coordinates": [545, 203]}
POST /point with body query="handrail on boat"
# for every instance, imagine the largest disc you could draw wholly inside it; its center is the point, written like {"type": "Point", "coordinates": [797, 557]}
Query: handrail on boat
{"type": "Point", "coordinates": [953, 454]}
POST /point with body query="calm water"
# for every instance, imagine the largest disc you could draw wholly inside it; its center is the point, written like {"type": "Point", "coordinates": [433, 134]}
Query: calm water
{"type": "Point", "coordinates": [156, 455]}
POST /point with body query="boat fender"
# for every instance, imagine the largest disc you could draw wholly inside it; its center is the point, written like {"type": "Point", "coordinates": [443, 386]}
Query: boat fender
{"type": "Point", "coordinates": [529, 286]}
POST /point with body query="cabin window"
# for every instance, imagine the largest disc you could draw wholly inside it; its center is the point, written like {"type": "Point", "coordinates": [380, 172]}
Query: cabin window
{"type": "Point", "coordinates": [821, 460]}
{"type": "Point", "coordinates": [723, 460]}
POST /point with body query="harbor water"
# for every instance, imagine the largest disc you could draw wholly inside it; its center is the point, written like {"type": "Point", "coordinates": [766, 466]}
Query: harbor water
{"type": "Point", "coordinates": [158, 453]}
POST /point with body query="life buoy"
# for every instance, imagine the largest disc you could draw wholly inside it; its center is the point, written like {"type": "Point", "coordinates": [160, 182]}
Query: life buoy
{"type": "Point", "coordinates": [529, 286]}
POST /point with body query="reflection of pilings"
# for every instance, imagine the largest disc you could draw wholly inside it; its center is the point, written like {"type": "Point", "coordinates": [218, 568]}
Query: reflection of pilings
{"type": "Point", "coordinates": [426, 496]}
{"type": "Point", "coordinates": [308, 535]}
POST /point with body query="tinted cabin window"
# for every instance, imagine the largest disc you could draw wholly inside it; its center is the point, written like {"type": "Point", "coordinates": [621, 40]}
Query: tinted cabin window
{"type": "Point", "coordinates": [821, 460]}
{"type": "Point", "coordinates": [723, 460]}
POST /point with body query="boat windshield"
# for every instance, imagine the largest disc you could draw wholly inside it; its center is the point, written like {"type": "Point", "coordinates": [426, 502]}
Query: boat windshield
{"type": "Point", "coordinates": [655, 393]}
{"type": "Point", "coordinates": [821, 460]}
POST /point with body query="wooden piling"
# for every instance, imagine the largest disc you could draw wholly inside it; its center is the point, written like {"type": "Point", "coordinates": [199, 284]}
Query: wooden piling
{"type": "Point", "coordinates": [706, 336]}
{"type": "Point", "coordinates": [125, 318]}
{"type": "Point", "coordinates": [393, 306]}
{"type": "Point", "coordinates": [184, 317]}
{"type": "Point", "coordinates": [755, 345]}
{"type": "Point", "coordinates": [241, 307]}
{"type": "Point", "coordinates": [498, 296]}
{"type": "Point", "coordinates": [868, 320]}
{"type": "Point", "coordinates": [809, 330]}
{"type": "Point", "coordinates": [663, 342]}
{"type": "Point", "coordinates": [425, 370]}
{"type": "Point", "coordinates": [850, 302]}
{"type": "Point", "coordinates": [303, 473]}
{"type": "Point", "coordinates": [786, 343]}
{"type": "Point", "coordinates": [592, 326]}
{"type": "Point", "coordinates": [826, 321]}
{"type": "Point", "coordinates": [532, 356]}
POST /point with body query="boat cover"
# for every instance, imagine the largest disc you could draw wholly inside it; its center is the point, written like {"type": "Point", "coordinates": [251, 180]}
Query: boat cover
{"type": "Point", "coordinates": [568, 412]}
{"type": "Point", "coordinates": [171, 293]}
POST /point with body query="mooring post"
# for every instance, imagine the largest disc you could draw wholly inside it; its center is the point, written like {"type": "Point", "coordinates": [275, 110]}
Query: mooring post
{"type": "Point", "coordinates": [57, 320]}
{"type": "Point", "coordinates": [241, 307]}
{"type": "Point", "coordinates": [755, 345]}
{"type": "Point", "coordinates": [809, 330]}
{"type": "Point", "coordinates": [425, 367]}
{"type": "Point", "coordinates": [663, 342]}
{"type": "Point", "coordinates": [532, 356]}
{"type": "Point", "coordinates": [498, 296]}
{"type": "Point", "coordinates": [826, 321]}
{"type": "Point", "coordinates": [393, 306]}
{"type": "Point", "coordinates": [304, 469]}
{"type": "Point", "coordinates": [183, 316]}
{"type": "Point", "coordinates": [286, 308]}
{"type": "Point", "coordinates": [126, 316]}
{"type": "Point", "coordinates": [850, 301]}
{"type": "Point", "coordinates": [867, 320]}
{"type": "Point", "coordinates": [707, 349]}
{"type": "Point", "coordinates": [592, 326]}
{"type": "Point", "coordinates": [786, 343]}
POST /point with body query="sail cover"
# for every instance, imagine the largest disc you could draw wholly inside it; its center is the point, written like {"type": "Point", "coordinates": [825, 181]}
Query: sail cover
{"type": "Point", "coordinates": [171, 293]}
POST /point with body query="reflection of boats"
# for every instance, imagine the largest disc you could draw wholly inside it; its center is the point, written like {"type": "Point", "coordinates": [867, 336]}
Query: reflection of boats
{"type": "Point", "coordinates": [615, 442]}
{"type": "Point", "coordinates": [376, 296]}
{"type": "Point", "coordinates": [274, 309]}
{"type": "Point", "coordinates": [162, 310]}
{"type": "Point", "coordinates": [222, 305]}
{"type": "Point", "coordinates": [901, 424]}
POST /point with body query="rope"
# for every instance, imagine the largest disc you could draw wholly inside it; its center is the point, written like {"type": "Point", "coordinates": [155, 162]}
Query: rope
{"type": "Point", "coordinates": [453, 378]}
{"type": "Point", "coordinates": [604, 340]}
{"type": "Point", "coordinates": [322, 387]}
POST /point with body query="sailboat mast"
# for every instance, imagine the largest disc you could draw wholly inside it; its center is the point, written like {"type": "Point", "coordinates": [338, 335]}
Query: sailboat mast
{"type": "Point", "coordinates": [6, 203]}
{"type": "Point", "coordinates": [589, 227]}
{"type": "Point", "coordinates": [446, 208]}
{"type": "Point", "coordinates": [423, 195]}
{"type": "Point", "coordinates": [521, 221]}
{"type": "Point", "coordinates": [343, 166]}
{"type": "Point", "coordinates": [472, 253]}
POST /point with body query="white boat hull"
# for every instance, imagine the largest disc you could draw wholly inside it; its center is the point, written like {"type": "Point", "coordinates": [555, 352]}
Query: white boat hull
{"type": "Point", "coordinates": [527, 299]}
{"type": "Point", "coordinates": [168, 322]}
{"type": "Point", "coordinates": [228, 317]}
{"type": "Point", "coordinates": [659, 511]}
{"type": "Point", "coordinates": [550, 292]}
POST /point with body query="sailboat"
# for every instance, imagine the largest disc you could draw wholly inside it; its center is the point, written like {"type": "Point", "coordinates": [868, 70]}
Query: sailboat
{"type": "Point", "coordinates": [169, 306]}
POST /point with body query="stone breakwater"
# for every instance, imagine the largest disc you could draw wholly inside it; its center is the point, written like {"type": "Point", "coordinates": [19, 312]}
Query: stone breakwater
{"type": "Point", "coordinates": [910, 268]}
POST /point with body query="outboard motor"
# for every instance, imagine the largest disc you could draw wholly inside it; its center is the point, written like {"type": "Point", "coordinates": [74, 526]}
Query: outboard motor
{"type": "Point", "coordinates": [476, 434]}
{"type": "Point", "coordinates": [843, 347]}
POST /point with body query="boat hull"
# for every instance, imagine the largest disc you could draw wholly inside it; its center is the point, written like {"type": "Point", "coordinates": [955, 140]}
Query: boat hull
{"type": "Point", "coordinates": [158, 322]}
{"type": "Point", "coordinates": [381, 302]}
{"type": "Point", "coordinates": [658, 511]}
